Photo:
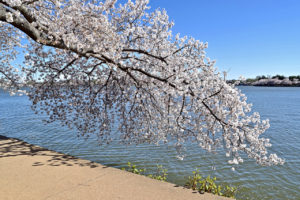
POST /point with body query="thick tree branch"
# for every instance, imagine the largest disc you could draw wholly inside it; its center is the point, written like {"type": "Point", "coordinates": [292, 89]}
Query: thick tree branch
{"type": "Point", "coordinates": [23, 10]}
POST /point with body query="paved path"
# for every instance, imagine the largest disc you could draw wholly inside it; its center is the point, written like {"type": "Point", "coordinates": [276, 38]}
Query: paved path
{"type": "Point", "coordinates": [31, 172]}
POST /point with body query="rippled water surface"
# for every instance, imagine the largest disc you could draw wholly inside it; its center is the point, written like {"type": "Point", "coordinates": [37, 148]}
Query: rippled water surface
{"type": "Point", "coordinates": [280, 105]}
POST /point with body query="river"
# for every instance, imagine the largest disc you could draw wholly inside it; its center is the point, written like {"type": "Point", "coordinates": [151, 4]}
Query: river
{"type": "Point", "coordinates": [280, 105]}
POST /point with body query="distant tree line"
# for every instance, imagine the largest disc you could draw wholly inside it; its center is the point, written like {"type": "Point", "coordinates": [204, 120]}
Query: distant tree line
{"type": "Point", "coordinates": [279, 77]}
{"type": "Point", "coordinates": [277, 80]}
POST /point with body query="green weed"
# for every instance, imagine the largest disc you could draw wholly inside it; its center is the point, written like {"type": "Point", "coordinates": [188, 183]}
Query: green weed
{"type": "Point", "coordinates": [208, 184]}
{"type": "Point", "coordinates": [160, 174]}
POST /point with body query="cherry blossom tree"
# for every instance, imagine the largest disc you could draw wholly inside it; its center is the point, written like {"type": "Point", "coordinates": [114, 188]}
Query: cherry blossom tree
{"type": "Point", "coordinates": [118, 71]}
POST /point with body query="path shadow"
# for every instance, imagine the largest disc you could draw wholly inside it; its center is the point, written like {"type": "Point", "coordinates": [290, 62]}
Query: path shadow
{"type": "Point", "coordinates": [11, 147]}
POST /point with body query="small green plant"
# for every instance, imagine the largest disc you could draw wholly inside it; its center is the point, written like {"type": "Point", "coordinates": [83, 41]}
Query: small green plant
{"type": "Point", "coordinates": [193, 181]}
{"type": "Point", "coordinates": [229, 191]}
{"type": "Point", "coordinates": [133, 169]}
{"type": "Point", "coordinates": [161, 173]}
{"type": "Point", "coordinates": [208, 184]}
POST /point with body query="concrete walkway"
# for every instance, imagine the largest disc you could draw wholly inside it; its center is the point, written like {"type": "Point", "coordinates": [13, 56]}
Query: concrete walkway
{"type": "Point", "coordinates": [31, 172]}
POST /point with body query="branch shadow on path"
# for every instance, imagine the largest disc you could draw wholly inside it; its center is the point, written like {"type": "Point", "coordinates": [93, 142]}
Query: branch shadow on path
{"type": "Point", "coordinates": [11, 147]}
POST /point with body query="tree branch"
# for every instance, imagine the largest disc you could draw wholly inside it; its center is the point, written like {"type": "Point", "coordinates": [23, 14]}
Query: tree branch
{"type": "Point", "coordinates": [163, 59]}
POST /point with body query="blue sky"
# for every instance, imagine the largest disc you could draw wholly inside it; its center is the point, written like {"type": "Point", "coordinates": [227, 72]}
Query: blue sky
{"type": "Point", "coordinates": [245, 37]}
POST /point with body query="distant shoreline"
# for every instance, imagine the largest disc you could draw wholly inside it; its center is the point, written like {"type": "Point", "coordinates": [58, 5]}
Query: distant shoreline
{"type": "Point", "coordinates": [268, 85]}
{"type": "Point", "coordinates": [270, 82]}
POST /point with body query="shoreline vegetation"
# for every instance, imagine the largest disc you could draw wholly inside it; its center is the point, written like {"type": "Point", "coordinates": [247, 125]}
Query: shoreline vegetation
{"type": "Point", "coordinates": [195, 182]}
{"type": "Point", "coordinates": [270, 81]}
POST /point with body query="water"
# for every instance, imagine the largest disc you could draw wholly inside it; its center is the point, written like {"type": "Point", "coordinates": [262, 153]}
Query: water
{"type": "Point", "coordinates": [280, 105]}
